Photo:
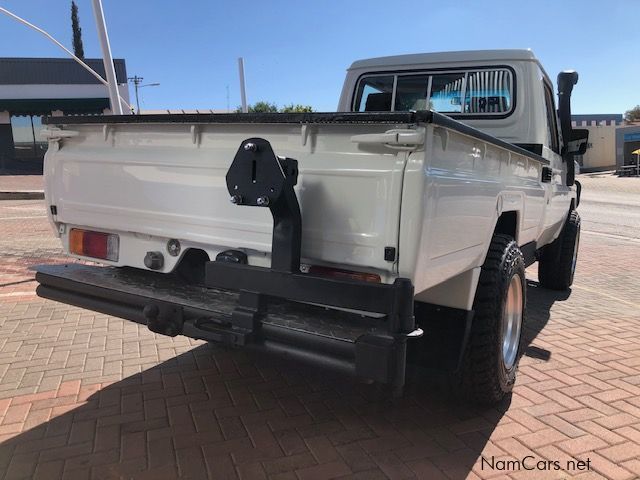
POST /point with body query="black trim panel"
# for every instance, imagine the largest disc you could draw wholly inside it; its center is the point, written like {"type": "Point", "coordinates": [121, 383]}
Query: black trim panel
{"type": "Point", "coordinates": [390, 299]}
{"type": "Point", "coordinates": [531, 147]}
{"type": "Point", "coordinates": [529, 253]}
{"type": "Point", "coordinates": [445, 339]}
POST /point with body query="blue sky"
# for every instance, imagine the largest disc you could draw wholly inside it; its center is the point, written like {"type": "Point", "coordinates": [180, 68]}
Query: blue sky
{"type": "Point", "coordinates": [297, 51]}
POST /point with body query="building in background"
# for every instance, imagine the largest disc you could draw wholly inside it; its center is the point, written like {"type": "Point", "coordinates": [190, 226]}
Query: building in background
{"type": "Point", "coordinates": [627, 141]}
{"type": "Point", "coordinates": [601, 148]}
{"type": "Point", "coordinates": [31, 88]}
{"type": "Point", "coordinates": [174, 111]}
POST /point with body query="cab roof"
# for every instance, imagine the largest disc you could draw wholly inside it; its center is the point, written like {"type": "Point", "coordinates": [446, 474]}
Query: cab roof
{"type": "Point", "coordinates": [443, 58]}
{"type": "Point", "coordinates": [446, 57]}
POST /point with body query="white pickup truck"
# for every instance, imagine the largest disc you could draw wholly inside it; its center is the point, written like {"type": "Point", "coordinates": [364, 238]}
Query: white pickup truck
{"type": "Point", "coordinates": [336, 238]}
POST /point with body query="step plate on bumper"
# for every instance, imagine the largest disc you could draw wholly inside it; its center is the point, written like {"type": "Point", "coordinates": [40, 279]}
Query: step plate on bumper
{"type": "Point", "coordinates": [354, 343]}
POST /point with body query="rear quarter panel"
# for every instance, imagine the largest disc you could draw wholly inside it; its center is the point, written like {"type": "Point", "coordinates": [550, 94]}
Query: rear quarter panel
{"type": "Point", "coordinates": [453, 196]}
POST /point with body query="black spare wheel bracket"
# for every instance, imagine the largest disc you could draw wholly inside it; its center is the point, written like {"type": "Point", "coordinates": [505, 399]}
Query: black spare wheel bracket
{"type": "Point", "coordinates": [258, 178]}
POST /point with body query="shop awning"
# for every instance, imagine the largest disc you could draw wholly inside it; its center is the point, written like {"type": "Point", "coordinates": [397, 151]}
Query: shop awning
{"type": "Point", "coordinates": [44, 106]}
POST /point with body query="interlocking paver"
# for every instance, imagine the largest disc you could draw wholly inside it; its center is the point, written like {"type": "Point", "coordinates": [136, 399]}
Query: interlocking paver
{"type": "Point", "coordinates": [584, 443]}
{"type": "Point", "coordinates": [620, 452]}
{"type": "Point", "coordinates": [84, 394]}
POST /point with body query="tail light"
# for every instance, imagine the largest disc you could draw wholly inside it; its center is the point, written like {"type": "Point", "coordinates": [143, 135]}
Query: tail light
{"type": "Point", "coordinates": [94, 244]}
{"type": "Point", "coordinates": [340, 274]}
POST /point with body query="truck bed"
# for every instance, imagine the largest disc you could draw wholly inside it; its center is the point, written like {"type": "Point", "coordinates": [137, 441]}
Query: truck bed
{"type": "Point", "coordinates": [394, 210]}
{"type": "Point", "coordinates": [158, 177]}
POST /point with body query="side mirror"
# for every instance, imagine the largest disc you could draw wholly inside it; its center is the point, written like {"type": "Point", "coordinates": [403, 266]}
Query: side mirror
{"type": "Point", "coordinates": [577, 144]}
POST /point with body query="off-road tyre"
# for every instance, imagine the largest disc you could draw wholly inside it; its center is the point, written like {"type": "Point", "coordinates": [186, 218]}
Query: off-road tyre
{"type": "Point", "coordinates": [484, 378]}
{"type": "Point", "coordinates": [557, 264]}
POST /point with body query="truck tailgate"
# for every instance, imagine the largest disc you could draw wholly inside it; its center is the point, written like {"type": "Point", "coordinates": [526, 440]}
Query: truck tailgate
{"type": "Point", "coordinates": [166, 179]}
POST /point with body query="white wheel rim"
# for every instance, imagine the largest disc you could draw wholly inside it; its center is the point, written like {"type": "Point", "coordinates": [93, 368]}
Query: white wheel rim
{"type": "Point", "coordinates": [512, 322]}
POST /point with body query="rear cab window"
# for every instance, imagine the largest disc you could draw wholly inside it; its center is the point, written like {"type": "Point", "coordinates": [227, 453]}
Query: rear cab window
{"type": "Point", "coordinates": [487, 92]}
{"type": "Point", "coordinates": [375, 94]}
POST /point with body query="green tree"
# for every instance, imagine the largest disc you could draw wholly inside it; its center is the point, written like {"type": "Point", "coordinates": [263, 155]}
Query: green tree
{"type": "Point", "coordinates": [261, 107]}
{"type": "Point", "coordinates": [78, 49]}
{"type": "Point", "coordinates": [633, 115]}
{"type": "Point", "coordinates": [297, 108]}
{"type": "Point", "coordinates": [268, 107]}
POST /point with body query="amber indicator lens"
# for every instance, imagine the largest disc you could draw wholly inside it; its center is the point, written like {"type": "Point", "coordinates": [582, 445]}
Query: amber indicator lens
{"type": "Point", "coordinates": [94, 244]}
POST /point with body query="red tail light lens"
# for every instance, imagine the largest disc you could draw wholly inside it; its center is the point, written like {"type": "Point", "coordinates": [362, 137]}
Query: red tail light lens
{"type": "Point", "coordinates": [340, 274]}
{"type": "Point", "coordinates": [94, 244]}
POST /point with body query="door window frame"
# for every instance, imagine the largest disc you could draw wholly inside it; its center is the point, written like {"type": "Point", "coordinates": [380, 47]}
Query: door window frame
{"type": "Point", "coordinates": [552, 117]}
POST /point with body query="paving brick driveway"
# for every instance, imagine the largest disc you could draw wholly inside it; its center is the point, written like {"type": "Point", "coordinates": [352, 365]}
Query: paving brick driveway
{"type": "Point", "coordinates": [84, 395]}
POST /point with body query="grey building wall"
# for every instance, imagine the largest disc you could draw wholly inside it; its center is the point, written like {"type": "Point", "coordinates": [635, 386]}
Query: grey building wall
{"type": "Point", "coordinates": [35, 87]}
{"type": "Point", "coordinates": [6, 141]}
{"type": "Point", "coordinates": [594, 119]}
{"type": "Point", "coordinates": [627, 140]}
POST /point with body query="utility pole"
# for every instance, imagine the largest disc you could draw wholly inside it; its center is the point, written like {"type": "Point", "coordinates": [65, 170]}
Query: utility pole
{"type": "Point", "coordinates": [136, 80]}
{"type": "Point", "coordinates": [114, 97]}
{"type": "Point", "coordinates": [243, 95]}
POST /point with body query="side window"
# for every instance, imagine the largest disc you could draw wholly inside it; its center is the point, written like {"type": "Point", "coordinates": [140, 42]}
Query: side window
{"type": "Point", "coordinates": [552, 124]}
{"type": "Point", "coordinates": [446, 92]}
{"type": "Point", "coordinates": [28, 144]}
{"type": "Point", "coordinates": [411, 93]}
{"type": "Point", "coordinates": [374, 94]}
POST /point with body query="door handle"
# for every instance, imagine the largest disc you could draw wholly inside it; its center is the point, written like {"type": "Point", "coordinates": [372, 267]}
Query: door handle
{"type": "Point", "coordinates": [57, 134]}
{"type": "Point", "coordinates": [397, 139]}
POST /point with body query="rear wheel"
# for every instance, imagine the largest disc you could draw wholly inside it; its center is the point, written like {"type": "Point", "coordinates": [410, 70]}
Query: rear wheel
{"type": "Point", "coordinates": [557, 265]}
{"type": "Point", "coordinates": [491, 360]}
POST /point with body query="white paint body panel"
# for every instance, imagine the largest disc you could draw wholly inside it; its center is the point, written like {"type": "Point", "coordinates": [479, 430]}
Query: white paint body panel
{"type": "Point", "coordinates": [452, 198]}
{"type": "Point", "coordinates": [153, 182]}
{"type": "Point", "coordinates": [438, 206]}
{"type": "Point", "coordinates": [436, 203]}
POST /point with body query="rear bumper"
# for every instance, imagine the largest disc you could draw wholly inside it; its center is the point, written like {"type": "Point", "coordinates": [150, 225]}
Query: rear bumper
{"type": "Point", "coordinates": [257, 308]}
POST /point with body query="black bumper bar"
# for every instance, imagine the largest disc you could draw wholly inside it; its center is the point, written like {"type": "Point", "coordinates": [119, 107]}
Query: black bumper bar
{"type": "Point", "coordinates": [270, 317]}
{"type": "Point", "coordinates": [270, 308]}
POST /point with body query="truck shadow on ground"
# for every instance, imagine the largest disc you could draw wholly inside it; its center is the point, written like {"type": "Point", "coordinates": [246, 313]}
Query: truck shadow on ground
{"type": "Point", "coordinates": [539, 303]}
{"type": "Point", "coordinates": [221, 413]}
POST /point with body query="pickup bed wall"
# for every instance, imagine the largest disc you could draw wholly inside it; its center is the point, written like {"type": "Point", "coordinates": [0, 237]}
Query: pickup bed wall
{"type": "Point", "coordinates": [150, 182]}
{"type": "Point", "coordinates": [151, 178]}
